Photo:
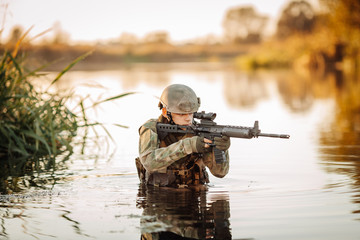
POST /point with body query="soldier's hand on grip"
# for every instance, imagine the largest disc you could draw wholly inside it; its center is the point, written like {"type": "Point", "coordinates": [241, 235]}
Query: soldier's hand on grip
{"type": "Point", "coordinates": [201, 144]}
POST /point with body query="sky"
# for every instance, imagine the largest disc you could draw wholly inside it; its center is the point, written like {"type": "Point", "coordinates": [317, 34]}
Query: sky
{"type": "Point", "coordinates": [96, 20]}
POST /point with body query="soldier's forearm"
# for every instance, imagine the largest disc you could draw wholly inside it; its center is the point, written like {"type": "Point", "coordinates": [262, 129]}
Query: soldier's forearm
{"type": "Point", "coordinates": [155, 159]}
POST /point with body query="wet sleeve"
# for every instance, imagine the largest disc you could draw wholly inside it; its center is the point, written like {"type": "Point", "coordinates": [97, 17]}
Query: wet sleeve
{"type": "Point", "coordinates": [158, 159]}
{"type": "Point", "coordinates": [217, 169]}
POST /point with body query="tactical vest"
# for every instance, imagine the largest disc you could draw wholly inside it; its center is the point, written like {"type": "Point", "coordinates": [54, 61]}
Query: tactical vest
{"type": "Point", "coordinates": [189, 170]}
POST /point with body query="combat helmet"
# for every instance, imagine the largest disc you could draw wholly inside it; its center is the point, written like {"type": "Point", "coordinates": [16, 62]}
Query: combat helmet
{"type": "Point", "coordinates": [179, 98]}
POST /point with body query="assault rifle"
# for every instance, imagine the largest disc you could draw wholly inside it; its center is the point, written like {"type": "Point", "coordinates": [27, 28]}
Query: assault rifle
{"type": "Point", "coordinates": [209, 129]}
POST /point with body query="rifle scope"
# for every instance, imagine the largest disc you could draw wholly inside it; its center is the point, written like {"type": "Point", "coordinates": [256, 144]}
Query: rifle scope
{"type": "Point", "coordinates": [207, 116]}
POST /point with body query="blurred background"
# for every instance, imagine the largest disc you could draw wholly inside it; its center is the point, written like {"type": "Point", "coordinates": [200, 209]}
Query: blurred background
{"type": "Point", "coordinates": [316, 34]}
{"type": "Point", "coordinates": [292, 65]}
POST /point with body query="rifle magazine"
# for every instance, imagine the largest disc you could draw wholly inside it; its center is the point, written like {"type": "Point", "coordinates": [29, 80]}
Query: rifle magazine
{"type": "Point", "coordinates": [219, 156]}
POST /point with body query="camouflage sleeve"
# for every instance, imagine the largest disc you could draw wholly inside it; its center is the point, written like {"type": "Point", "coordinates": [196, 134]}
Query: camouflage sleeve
{"type": "Point", "coordinates": [158, 159]}
{"type": "Point", "coordinates": [218, 170]}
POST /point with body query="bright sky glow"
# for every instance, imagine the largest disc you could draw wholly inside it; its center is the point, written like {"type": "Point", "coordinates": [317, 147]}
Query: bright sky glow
{"type": "Point", "coordinates": [89, 20]}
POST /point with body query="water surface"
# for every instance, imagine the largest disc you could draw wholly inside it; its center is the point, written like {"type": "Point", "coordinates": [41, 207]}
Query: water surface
{"type": "Point", "coordinates": [306, 187]}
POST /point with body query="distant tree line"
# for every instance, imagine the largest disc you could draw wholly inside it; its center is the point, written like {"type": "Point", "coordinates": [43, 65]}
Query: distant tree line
{"type": "Point", "coordinates": [245, 25]}
{"type": "Point", "coordinates": [241, 24]}
{"type": "Point", "coordinates": [335, 27]}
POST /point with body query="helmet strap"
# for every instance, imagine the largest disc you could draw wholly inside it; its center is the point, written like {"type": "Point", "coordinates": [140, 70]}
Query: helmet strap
{"type": "Point", "coordinates": [167, 115]}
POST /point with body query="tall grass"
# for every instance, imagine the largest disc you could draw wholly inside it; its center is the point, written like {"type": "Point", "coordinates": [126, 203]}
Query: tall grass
{"type": "Point", "coordinates": [36, 126]}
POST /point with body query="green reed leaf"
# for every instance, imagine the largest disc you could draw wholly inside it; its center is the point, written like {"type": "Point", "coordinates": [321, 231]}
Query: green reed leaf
{"type": "Point", "coordinates": [72, 64]}
{"type": "Point", "coordinates": [113, 98]}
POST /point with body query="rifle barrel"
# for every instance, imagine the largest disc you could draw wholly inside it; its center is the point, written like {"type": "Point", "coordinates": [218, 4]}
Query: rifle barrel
{"type": "Point", "coordinates": [273, 135]}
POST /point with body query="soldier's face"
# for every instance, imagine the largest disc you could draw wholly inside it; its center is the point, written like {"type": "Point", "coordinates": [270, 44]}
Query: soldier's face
{"type": "Point", "coordinates": [182, 119]}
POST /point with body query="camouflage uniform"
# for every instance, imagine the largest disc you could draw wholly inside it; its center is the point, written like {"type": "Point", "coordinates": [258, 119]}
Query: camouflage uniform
{"type": "Point", "coordinates": [173, 161]}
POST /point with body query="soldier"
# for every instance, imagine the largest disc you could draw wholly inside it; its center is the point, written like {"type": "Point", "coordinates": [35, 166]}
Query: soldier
{"type": "Point", "coordinates": [178, 160]}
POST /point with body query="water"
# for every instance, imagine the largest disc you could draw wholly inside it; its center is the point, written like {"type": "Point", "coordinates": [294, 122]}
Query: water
{"type": "Point", "coordinates": [306, 187]}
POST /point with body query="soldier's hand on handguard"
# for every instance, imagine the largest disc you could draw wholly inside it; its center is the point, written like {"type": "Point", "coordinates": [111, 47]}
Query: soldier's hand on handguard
{"type": "Point", "coordinates": [222, 143]}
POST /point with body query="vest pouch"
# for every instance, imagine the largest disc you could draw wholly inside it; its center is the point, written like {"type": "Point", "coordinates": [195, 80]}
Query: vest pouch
{"type": "Point", "coordinates": [200, 175]}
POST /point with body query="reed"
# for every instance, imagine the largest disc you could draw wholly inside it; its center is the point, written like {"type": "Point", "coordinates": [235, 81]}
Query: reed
{"type": "Point", "coordinates": [36, 126]}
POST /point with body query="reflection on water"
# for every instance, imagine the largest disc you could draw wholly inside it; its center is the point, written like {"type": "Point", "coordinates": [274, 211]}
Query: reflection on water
{"type": "Point", "coordinates": [244, 90]}
{"type": "Point", "coordinates": [299, 92]}
{"type": "Point", "coordinates": [183, 214]}
{"type": "Point", "coordinates": [307, 187]}
{"type": "Point", "coordinates": [340, 143]}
